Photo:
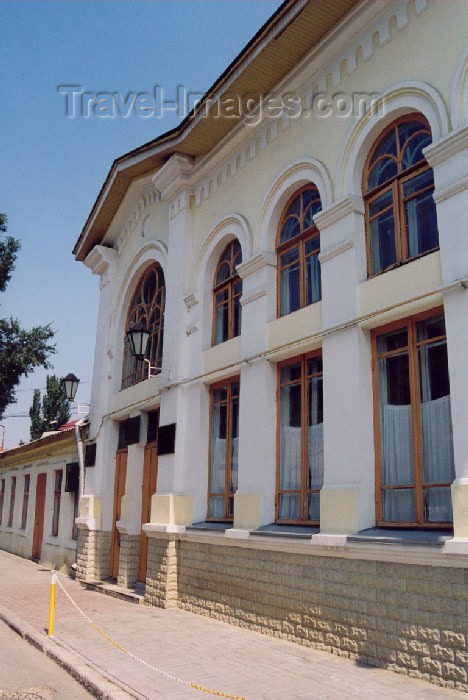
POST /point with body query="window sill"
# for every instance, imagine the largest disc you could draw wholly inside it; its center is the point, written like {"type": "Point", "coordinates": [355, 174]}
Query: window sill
{"type": "Point", "coordinates": [414, 538]}
{"type": "Point", "coordinates": [301, 532]}
{"type": "Point", "coordinates": [205, 526]}
{"type": "Point", "coordinates": [52, 540]}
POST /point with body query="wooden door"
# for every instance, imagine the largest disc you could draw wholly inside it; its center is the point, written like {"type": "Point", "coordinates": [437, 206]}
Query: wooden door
{"type": "Point", "coordinates": [119, 491]}
{"type": "Point", "coordinates": [39, 516]}
{"type": "Point", "coordinates": [150, 476]}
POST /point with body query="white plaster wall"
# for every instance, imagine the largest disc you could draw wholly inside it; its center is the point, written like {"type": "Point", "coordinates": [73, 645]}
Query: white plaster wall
{"type": "Point", "coordinates": [239, 191]}
{"type": "Point", "coordinates": [57, 551]}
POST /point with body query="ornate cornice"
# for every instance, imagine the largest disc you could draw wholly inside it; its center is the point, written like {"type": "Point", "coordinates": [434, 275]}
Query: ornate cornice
{"type": "Point", "coordinates": [340, 64]}
{"type": "Point", "coordinates": [99, 259]}
{"type": "Point", "coordinates": [173, 176]}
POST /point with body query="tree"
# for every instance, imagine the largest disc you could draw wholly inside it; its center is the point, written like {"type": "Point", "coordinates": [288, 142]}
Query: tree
{"type": "Point", "coordinates": [20, 350]}
{"type": "Point", "coordinates": [54, 411]}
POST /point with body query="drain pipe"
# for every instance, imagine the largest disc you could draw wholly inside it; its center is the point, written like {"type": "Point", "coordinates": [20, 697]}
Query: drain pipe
{"type": "Point", "coordinates": [79, 450]}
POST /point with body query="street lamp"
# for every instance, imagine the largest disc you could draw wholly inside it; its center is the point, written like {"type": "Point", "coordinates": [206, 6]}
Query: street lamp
{"type": "Point", "coordinates": [138, 337]}
{"type": "Point", "coordinates": [70, 385]}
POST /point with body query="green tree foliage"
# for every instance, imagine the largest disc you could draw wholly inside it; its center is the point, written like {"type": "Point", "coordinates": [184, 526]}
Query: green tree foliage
{"type": "Point", "coordinates": [54, 410]}
{"type": "Point", "coordinates": [20, 351]}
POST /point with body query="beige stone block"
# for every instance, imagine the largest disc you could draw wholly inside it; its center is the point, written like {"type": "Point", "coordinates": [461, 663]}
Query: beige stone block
{"type": "Point", "coordinates": [454, 672]}
{"type": "Point", "coordinates": [247, 510]}
{"type": "Point", "coordinates": [172, 509]}
{"type": "Point", "coordinates": [460, 509]}
{"type": "Point", "coordinates": [339, 510]}
{"type": "Point", "coordinates": [455, 639]}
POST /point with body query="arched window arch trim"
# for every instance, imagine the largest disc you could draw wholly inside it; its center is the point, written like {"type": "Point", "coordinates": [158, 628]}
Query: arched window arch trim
{"type": "Point", "coordinates": [227, 291]}
{"type": "Point", "coordinates": [298, 250]}
{"type": "Point", "coordinates": [147, 305]}
{"type": "Point", "coordinates": [400, 214]}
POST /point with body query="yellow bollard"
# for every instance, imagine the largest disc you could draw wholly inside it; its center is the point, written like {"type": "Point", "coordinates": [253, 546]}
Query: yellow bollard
{"type": "Point", "coordinates": [53, 584]}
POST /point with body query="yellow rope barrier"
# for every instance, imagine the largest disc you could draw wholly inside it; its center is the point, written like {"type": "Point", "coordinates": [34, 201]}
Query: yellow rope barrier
{"type": "Point", "coordinates": [109, 639]}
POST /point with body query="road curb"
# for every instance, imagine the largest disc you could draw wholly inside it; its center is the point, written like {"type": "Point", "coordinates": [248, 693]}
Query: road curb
{"type": "Point", "coordinates": [92, 681]}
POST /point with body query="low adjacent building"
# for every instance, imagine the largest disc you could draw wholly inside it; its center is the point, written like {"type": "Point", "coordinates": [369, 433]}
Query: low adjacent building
{"type": "Point", "coordinates": [39, 498]}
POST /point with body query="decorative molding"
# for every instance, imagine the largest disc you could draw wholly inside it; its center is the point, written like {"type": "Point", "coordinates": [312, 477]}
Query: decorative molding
{"type": "Point", "coordinates": [447, 147]}
{"type": "Point", "coordinates": [173, 175]}
{"type": "Point", "coordinates": [349, 205]}
{"type": "Point", "coordinates": [258, 262]}
{"type": "Point", "coordinates": [149, 196]}
{"type": "Point", "coordinates": [336, 250]}
{"type": "Point", "coordinates": [253, 296]}
{"type": "Point", "coordinates": [190, 300]}
{"type": "Point", "coordinates": [99, 260]}
{"type": "Point", "coordinates": [342, 64]}
{"type": "Point", "coordinates": [454, 187]}
{"type": "Point", "coordinates": [180, 203]}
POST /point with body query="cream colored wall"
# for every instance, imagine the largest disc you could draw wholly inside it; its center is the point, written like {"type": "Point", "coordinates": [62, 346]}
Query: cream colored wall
{"type": "Point", "coordinates": [324, 139]}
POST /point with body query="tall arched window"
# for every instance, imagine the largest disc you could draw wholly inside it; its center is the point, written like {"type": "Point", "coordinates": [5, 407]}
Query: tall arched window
{"type": "Point", "coordinates": [227, 291]}
{"type": "Point", "coordinates": [298, 248]}
{"type": "Point", "coordinates": [146, 307]}
{"type": "Point", "coordinates": [401, 217]}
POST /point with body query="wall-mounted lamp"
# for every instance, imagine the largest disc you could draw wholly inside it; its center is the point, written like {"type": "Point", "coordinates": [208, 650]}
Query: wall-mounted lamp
{"type": "Point", "coordinates": [70, 386]}
{"type": "Point", "coordinates": [138, 337]}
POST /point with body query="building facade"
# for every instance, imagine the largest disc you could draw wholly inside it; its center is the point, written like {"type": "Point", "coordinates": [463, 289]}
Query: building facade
{"type": "Point", "coordinates": [39, 499]}
{"type": "Point", "coordinates": [293, 455]}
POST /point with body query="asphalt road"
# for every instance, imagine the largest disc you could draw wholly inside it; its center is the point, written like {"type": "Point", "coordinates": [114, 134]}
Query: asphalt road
{"type": "Point", "coordinates": [24, 668]}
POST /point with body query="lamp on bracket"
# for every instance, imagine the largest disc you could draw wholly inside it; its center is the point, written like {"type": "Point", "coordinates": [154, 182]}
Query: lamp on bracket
{"type": "Point", "coordinates": [70, 386]}
{"type": "Point", "coordinates": [138, 336]}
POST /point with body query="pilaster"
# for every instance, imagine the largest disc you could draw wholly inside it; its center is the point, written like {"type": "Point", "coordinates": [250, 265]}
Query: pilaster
{"type": "Point", "coordinates": [255, 497]}
{"type": "Point", "coordinates": [449, 160]}
{"type": "Point", "coordinates": [347, 496]}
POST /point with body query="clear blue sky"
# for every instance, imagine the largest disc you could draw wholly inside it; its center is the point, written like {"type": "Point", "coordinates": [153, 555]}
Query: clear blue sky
{"type": "Point", "coordinates": [52, 167]}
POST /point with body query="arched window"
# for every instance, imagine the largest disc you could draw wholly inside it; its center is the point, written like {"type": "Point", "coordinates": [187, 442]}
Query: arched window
{"type": "Point", "coordinates": [227, 291]}
{"type": "Point", "coordinates": [298, 248]}
{"type": "Point", "coordinates": [401, 217]}
{"type": "Point", "coordinates": [146, 307]}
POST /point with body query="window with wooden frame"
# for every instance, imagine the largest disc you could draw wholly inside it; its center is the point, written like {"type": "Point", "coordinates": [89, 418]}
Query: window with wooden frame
{"type": "Point", "coordinates": [300, 440]}
{"type": "Point", "coordinates": [58, 477]}
{"type": "Point", "coordinates": [223, 449]}
{"type": "Point", "coordinates": [24, 513]}
{"type": "Point", "coordinates": [413, 425]}
{"type": "Point", "coordinates": [398, 184]}
{"type": "Point", "coordinates": [298, 248]}
{"type": "Point", "coordinates": [12, 501]}
{"type": "Point", "coordinates": [2, 499]}
{"type": "Point", "coordinates": [227, 291]}
{"type": "Point", "coordinates": [146, 307]}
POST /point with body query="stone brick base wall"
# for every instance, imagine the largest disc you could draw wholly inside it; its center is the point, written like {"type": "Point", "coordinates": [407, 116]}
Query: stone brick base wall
{"type": "Point", "coordinates": [129, 560]}
{"type": "Point", "coordinates": [93, 555]}
{"type": "Point", "coordinates": [411, 619]}
{"type": "Point", "coordinates": [161, 576]}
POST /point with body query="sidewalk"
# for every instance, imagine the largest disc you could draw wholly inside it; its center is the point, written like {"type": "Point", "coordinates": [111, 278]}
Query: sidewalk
{"type": "Point", "coordinates": [196, 649]}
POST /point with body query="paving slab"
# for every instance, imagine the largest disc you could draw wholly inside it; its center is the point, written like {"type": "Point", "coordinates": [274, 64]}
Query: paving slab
{"type": "Point", "coordinates": [191, 648]}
